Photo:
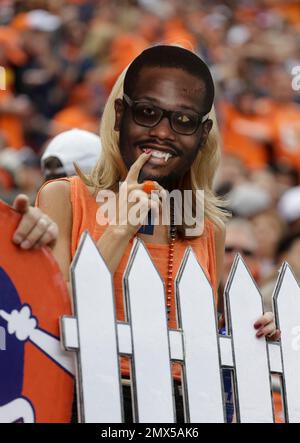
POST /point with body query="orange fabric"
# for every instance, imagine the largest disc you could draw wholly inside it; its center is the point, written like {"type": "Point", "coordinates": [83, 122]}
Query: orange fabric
{"type": "Point", "coordinates": [238, 131]}
{"type": "Point", "coordinates": [73, 117]}
{"type": "Point", "coordinates": [124, 48]}
{"type": "Point", "coordinates": [278, 411]}
{"type": "Point", "coordinates": [289, 10]}
{"type": "Point", "coordinates": [85, 210]}
{"type": "Point", "coordinates": [11, 125]}
{"type": "Point", "coordinates": [11, 44]}
{"type": "Point", "coordinates": [286, 120]}
{"type": "Point", "coordinates": [20, 21]}
{"type": "Point", "coordinates": [6, 180]}
{"type": "Point", "coordinates": [176, 33]}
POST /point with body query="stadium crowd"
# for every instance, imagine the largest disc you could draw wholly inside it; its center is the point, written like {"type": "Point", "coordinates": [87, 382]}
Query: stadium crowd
{"type": "Point", "coordinates": [61, 59]}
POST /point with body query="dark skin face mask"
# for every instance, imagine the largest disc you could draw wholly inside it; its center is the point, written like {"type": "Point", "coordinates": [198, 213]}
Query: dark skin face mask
{"type": "Point", "coordinates": [171, 89]}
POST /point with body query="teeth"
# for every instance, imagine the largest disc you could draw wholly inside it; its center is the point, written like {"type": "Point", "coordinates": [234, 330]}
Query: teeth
{"type": "Point", "coordinates": [159, 154]}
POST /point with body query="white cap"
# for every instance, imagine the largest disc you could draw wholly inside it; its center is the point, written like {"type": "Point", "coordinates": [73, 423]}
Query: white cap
{"type": "Point", "coordinates": [289, 205]}
{"type": "Point", "coordinates": [75, 145]}
{"type": "Point", "coordinates": [43, 21]}
{"type": "Point", "coordinates": [248, 199]}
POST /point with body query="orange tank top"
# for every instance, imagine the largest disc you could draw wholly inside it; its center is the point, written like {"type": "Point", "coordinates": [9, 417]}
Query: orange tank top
{"type": "Point", "coordinates": [84, 211]}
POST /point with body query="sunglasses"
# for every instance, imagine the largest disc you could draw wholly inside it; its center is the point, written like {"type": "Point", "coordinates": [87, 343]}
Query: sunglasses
{"type": "Point", "coordinates": [243, 251]}
{"type": "Point", "coordinates": [148, 115]}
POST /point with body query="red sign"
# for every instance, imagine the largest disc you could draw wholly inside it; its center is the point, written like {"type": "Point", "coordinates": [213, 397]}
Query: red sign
{"type": "Point", "coordinates": [36, 381]}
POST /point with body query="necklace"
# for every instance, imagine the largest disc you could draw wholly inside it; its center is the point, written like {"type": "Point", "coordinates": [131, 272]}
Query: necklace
{"type": "Point", "coordinates": [172, 239]}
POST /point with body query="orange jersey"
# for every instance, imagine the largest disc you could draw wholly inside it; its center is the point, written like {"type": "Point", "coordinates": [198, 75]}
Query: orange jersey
{"type": "Point", "coordinates": [287, 134]}
{"type": "Point", "coordinates": [244, 136]}
{"type": "Point", "coordinates": [73, 117]}
{"type": "Point", "coordinates": [10, 125]}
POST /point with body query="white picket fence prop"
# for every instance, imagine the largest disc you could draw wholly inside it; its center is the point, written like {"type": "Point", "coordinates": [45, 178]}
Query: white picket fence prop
{"type": "Point", "coordinates": [99, 340]}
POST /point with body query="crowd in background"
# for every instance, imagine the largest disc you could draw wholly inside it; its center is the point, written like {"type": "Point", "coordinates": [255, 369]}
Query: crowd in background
{"type": "Point", "coordinates": [61, 59]}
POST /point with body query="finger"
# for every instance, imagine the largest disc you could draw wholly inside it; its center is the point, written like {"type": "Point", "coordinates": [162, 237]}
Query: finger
{"type": "Point", "coordinates": [276, 335]}
{"type": "Point", "coordinates": [27, 223]}
{"type": "Point", "coordinates": [264, 320]}
{"type": "Point", "coordinates": [21, 203]}
{"type": "Point", "coordinates": [267, 330]}
{"type": "Point", "coordinates": [154, 206]}
{"type": "Point", "coordinates": [48, 238]}
{"type": "Point", "coordinates": [136, 167]}
{"type": "Point", "coordinates": [136, 195]}
{"type": "Point", "coordinates": [35, 234]}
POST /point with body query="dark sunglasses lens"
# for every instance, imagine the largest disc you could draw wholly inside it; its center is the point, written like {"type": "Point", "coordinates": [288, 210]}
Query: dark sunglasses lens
{"type": "Point", "coordinates": [146, 115]}
{"type": "Point", "coordinates": [184, 123]}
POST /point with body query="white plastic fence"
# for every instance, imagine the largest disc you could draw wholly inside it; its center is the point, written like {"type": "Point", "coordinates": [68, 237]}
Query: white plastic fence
{"type": "Point", "coordinates": [100, 340]}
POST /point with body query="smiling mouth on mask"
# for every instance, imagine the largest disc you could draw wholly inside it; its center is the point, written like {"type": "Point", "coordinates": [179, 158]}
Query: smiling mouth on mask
{"type": "Point", "coordinates": [158, 154]}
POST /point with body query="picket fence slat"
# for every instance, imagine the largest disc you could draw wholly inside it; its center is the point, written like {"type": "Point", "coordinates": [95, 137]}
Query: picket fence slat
{"type": "Point", "coordinates": [98, 363]}
{"type": "Point", "coordinates": [197, 318]}
{"type": "Point", "coordinates": [287, 308]}
{"type": "Point", "coordinates": [253, 381]}
{"type": "Point", "coordinates": [145, 301]}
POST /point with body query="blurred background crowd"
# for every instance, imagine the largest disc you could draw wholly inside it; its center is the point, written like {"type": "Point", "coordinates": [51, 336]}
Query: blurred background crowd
{"type": "Point", "coordinates": [61, 59]}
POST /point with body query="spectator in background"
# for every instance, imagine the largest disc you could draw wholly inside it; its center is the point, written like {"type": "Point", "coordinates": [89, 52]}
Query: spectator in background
{"type": "Point", "coordinates": [288, 250]}
{"type": "Point", "coordinates": [240, 239]}
{"type": "Point", "coordinates": [23, 169]}
{"type": "Point", "coordinates": [286, 118]}
{"type": "Point", "coordinates": [72, 147]}
{"type": "Point", "coordinates": [246, 129]}
{"type": "Point", "coordinates": [289, 207]}
{"type": "Point", "coordinates": [268, 229]}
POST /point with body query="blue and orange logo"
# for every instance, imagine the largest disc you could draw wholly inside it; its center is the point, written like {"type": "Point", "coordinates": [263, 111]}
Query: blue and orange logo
{"type": "Point", "coordinates": [36, 374]}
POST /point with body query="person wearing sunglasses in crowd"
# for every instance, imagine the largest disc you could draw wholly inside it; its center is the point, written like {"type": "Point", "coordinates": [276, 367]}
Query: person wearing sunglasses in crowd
{"type": "Point", "coordinates": [158, 135]}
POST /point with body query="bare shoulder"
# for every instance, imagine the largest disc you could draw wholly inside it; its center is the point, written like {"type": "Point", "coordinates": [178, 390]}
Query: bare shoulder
{"type": "Point", "coordinates": [54, 200]}
{"type": "Point", "coordinates": [56, 187]}
{"type": "Point", "coordinates": [55, 193]}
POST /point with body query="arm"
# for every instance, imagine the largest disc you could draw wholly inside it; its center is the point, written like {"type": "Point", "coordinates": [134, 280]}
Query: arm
{"type": "Point", "coordinates": [112, 245]}
{"type": "Point", "coordinates": [54, 200]}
